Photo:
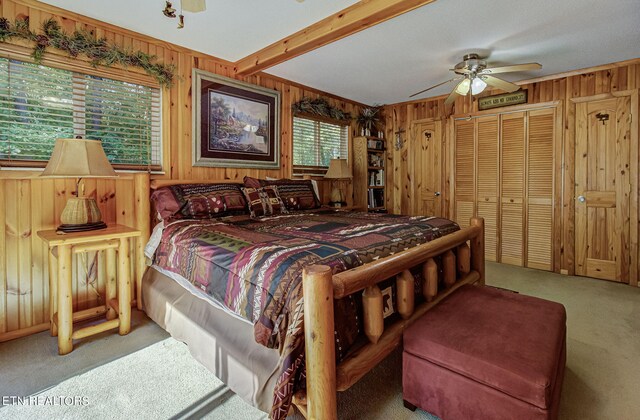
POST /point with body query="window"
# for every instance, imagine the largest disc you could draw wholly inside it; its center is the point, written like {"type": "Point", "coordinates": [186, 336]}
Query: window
{"type": "Point", "coordinates": [39, 104]}
{"type": "Point", "coordinates": [315, 143]}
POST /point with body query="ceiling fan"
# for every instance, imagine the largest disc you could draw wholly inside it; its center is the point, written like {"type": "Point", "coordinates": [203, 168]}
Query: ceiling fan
{"type": "Point", "coordinates": [474, 76]}
{"type": "Point", "coordinates": [193, 6]}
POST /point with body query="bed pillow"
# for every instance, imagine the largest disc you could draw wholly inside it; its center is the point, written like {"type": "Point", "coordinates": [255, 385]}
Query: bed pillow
{"type": "Point", "coordinates": [199, 201]}
{"type": "Point", "coordinates": [296, 194]}
{"type": "Point", "coordinates": [264, 201]}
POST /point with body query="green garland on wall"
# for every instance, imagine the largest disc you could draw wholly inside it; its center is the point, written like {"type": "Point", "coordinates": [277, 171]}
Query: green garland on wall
{"type": "Point", "coordinates": [99, 50]}
{"type": "Point", "coordinates": [321, 107]}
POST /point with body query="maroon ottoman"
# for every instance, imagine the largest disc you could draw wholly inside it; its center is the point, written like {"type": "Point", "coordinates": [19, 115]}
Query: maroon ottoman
{"type": "Point", "coordinates": [485, 353]}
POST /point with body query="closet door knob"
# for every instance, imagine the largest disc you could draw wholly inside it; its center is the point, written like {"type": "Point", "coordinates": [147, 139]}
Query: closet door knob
{"type": "Point", "coordinates": [581, 198]}
{"type": "Point", "coordinates": [437, 193]}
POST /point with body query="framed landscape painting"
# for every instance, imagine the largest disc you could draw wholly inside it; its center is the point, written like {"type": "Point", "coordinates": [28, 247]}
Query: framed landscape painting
{"type": "Point", "coordinates": [235, 124]}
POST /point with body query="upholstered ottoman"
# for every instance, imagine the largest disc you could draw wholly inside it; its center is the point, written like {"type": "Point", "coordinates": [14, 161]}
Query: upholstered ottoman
{"type": "Point", "coordinates": [485, 353]}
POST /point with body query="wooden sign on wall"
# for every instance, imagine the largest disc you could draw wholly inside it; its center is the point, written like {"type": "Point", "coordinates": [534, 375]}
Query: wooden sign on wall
{"type": "Point", "coordinates": [505, 99]}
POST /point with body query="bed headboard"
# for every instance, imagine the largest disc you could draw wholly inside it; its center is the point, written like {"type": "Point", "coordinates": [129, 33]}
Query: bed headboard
{"type": "Point", "coordinates": [158, 183]}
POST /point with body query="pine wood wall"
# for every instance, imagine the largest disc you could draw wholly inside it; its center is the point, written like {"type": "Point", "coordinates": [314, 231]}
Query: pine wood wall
{"type": "Point", "coordinates": [562, 88]}
{"type": "Point", "coordinates": [28, 205]}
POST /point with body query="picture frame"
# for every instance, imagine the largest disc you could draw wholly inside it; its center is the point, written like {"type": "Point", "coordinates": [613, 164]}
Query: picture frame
{"type": "Point", "coordinates": [235, 124]}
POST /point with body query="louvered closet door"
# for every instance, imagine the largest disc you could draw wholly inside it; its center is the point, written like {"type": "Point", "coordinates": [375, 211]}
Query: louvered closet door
{"type": "Point", "coordinates": [540, 183]}
{"type": "Point", "coordinates": [464, 172]}
{"type": "Point", "coordinates": [487, 184]}
{"type": "Point", "coordinates": [512, 197]}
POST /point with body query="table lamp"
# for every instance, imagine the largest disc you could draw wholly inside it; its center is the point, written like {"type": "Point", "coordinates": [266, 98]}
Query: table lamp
{"type": "Point", "coordinates": [338, 171]}
{"type": "Point", "coordinates": [79, 158]}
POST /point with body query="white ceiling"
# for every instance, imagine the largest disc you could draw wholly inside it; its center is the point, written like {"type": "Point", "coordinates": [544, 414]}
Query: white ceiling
{"type": "Point", "coordinates": [228, 29]}
{"type": "Point", "coordinates": [390, 61]}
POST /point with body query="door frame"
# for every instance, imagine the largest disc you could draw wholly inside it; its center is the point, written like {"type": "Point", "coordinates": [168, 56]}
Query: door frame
{"type": "Point", "coordinates": [570, 169]}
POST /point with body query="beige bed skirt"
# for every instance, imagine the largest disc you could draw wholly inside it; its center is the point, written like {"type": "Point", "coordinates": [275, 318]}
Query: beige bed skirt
{"type": "Point", "coordinates": [221, 342]}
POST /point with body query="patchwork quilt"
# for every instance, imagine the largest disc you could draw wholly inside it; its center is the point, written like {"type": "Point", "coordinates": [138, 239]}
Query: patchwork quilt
{"type": "Point", "coordinates": [254, 268]}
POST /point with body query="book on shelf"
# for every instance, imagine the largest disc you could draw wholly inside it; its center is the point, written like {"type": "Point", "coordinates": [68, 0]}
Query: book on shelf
{"type": "Point", "coordinates": [376, 178]}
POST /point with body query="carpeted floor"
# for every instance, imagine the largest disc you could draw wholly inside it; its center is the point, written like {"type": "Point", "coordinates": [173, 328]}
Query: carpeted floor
{"type": "Point", "coordinates": [148, 375]}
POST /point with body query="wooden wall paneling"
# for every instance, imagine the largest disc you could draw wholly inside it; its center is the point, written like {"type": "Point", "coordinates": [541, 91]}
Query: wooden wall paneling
{"type": "Point", "coordinates": [634, 274]}
{"type": "Point", "coordinates": [389, 159]}
{"type": "Point", "coordinates": [488, 170]}
{"type": "Point", "coordinates": [360, 176]}
{"type": "Point", "coordinates": [3, 257]}
{"type": "Point", "coordinates": [38, 257]}
{"type": "Point", "coordinates": [558, 188]}
{"type": "Point", "coordinates": [12, 255]}
{"type": "Point", "coordinates": [568, 172]}
{"type": "Point", "coordinates": [512, 205]}
{"type": "Point", "coordinates": [23, 234]}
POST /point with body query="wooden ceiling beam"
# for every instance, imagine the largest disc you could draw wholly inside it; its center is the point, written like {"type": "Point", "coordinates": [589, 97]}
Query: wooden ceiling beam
{"type": "Point", "coordinates": [355, 18]}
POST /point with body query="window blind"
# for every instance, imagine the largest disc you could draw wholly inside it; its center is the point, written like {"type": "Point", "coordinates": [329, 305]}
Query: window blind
{"type": "Point", "coordinates": [39, 104]}
{"type": "Point", "coordinates": [315, 143]}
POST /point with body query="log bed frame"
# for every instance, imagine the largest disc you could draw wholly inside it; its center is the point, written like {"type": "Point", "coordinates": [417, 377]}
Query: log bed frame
{"type": "Point", "coordinates": [462, 262]}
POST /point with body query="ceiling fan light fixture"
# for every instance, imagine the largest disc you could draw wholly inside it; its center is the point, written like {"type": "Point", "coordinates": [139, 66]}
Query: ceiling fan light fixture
{"type": "Point", "coordinates": [478, 85]}
{"type": "Point", "coordinates": [194, 6]}
{"type": "Point", "coordinates": [463, 87]}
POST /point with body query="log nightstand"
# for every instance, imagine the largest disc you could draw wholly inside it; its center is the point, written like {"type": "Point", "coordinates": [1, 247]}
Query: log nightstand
{"type": "Point", "coordinates": [118, 309]}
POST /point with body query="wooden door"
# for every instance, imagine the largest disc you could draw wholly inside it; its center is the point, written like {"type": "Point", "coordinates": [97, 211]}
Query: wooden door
{"type": "Point", "coordinates": [512, 188]}
{"type": "Point", "coordinates": [602, 188]}
{"type": "Point", "coordinates": [425, 166]}
{"type": "Point", "coordinates": [487, 184]}
{"type": "Point", "coordinates": [541, 127]}
{"type": "Point", "coordinates": [464, 172]}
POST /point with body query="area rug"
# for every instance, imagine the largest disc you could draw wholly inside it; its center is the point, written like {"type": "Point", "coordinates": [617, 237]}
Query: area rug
{"type": "Point", "coordinates": [163, 381]}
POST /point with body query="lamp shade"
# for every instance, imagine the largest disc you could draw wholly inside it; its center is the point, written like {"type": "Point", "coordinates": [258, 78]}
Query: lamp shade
{"type": "Point", "coordinates": [78, 158]}
{"type": "Point", "coordinates": [338, 169]}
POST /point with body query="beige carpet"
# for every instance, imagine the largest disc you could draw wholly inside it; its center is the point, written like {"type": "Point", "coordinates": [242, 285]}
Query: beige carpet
{"type": "Point", "coordinates": [148, 376]}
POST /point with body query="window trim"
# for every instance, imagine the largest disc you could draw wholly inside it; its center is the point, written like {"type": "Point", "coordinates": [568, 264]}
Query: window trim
{"type": "Point", "coordinates": [309, 170]}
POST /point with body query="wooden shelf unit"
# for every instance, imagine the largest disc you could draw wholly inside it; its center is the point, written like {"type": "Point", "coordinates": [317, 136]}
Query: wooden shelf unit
{"type": "Point", "coordinates": [369, 190]}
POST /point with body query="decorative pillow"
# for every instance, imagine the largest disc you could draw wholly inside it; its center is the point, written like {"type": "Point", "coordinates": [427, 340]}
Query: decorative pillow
{"type": "Point", "coordinates": [199, 201]}
{"type": "Point", "coordinates": [264, 201]}
{"type": "Point", "coordinates": [250, 182]}
{"type": "Point", "coordinates": [296, 194]}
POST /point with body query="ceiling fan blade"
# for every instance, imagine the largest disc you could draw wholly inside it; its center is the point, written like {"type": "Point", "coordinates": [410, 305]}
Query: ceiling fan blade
{"type": "Point", "coordinates": [194, 6]}
{"type": "Point", "coordinates": [461, 71]}
{"type": "Point", "coordinates": [452, 96]}
{"type": "Point", "coordinates": [435, 86]}
{"type": "Point", "coordinates": [515, 67]}
{"type": "Point", "coordinates": [500, 84]}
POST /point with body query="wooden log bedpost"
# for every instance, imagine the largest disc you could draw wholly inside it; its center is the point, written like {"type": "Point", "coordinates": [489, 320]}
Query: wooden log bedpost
{"type": "Point", "coordinates": [477, 249]}
{"type": "Point", "coordinates": [142, 210]}
{"type": "Point", "coordinates": [405, 285]}
{"type": "Point", "coordinates": [430, 285]}
{"type": "Point", "coordinates": [320, 355]}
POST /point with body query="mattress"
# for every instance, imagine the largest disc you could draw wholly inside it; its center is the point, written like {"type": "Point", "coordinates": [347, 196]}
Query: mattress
{"type": "Point", "coordinates": [223, 343]}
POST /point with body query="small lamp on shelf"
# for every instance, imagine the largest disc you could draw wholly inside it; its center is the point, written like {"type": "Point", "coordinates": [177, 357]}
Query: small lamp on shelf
{"type": "Point", "coordinates": [79, 158]}
{"type": "Point", "coordinates": [338, 171]}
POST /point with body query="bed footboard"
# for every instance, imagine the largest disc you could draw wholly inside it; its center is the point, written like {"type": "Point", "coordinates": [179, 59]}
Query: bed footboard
{"type": "Point", "coordinates": [461, 264]}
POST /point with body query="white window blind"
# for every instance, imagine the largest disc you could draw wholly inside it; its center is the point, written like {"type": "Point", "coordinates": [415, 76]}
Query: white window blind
{"type": "Point", "coordinates": [39, 104]}
{"type": "Point", "coordinates": [315, 143]}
